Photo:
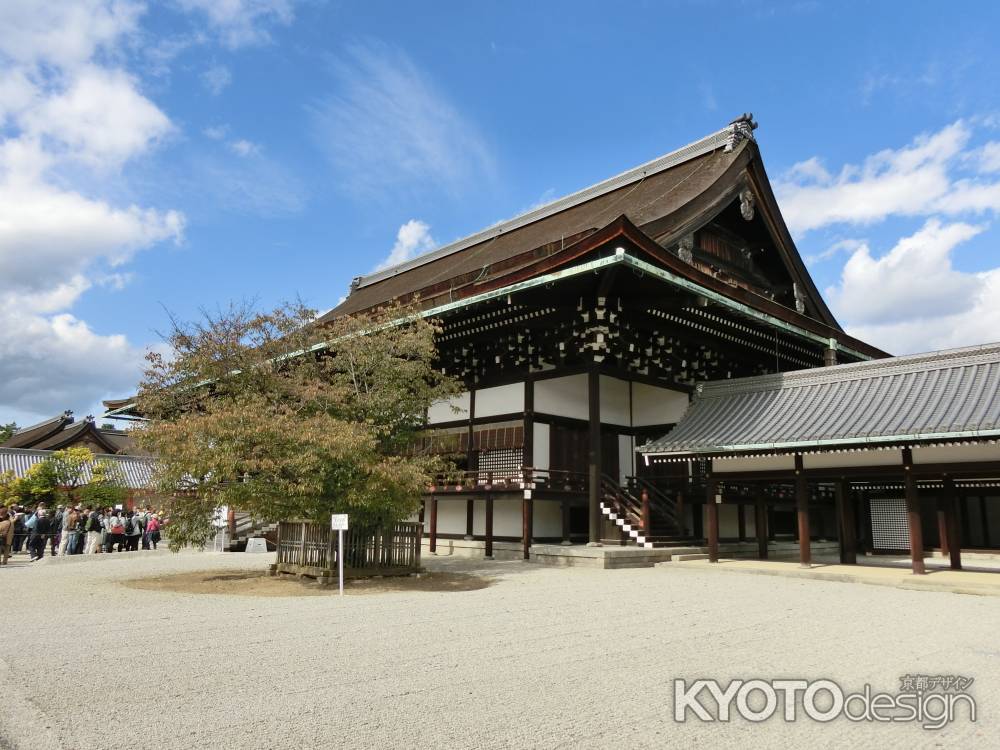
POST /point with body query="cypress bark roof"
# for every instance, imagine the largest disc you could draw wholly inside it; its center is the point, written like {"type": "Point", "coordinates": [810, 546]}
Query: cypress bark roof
{"type": "Point", "coordinates": [947, 395]}
{"type": "Point", "coordinates": [666, 198]}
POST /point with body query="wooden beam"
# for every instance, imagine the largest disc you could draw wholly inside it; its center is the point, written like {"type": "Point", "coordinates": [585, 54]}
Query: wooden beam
{"type": "Point", "coordinates": [489, 525]}
{"type": "Point", "coordinates": [594, 454]}
{"type": "Point", "coordinates": [713, 520]}
{"type": "Point", "coordinates": [954, 540]}
{"type": "Point", "coordinates": [760, 524]}
{"type": "Point", "coordinates": [434, 524]}
{"type": "Point", "coordinates": [913, 514]}
{"type": "Point", "coordinates": [846, 523]}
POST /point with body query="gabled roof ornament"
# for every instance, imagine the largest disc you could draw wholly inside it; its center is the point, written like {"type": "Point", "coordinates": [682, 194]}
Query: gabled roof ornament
{"type": "Point", "coordinates": [742, 130]}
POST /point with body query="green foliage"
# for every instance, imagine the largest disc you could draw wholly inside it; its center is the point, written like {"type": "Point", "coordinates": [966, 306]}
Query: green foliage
{"type": "Point", "coordinates": [10, 491]}
{"type": "Point", "coordinates": [6, 430]}
{"type": "Point", "coordinates": [39, 484]}
{"type": "Point", "coordinates": [248, 412]}
{"type": "Point", "coordinates": [106, 488]}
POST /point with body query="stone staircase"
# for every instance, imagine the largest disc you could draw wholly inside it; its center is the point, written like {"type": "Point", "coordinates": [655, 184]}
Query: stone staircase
{"type": "Point", "coordinates": [246, 527]}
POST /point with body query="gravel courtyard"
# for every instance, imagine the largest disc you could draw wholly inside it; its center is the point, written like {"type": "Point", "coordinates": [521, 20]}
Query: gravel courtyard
{"type": "Point", "coordinates": [540, 657]}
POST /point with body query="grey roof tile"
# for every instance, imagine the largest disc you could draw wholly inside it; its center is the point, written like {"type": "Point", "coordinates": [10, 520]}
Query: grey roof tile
{"type": "Point", "coordinates": [954, 393]}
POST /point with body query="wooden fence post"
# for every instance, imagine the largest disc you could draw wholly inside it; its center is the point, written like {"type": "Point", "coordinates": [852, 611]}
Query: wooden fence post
{"type": "Point", "coordinates": [302, 550]}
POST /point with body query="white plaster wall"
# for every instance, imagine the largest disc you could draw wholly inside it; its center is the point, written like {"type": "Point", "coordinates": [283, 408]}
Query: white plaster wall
{"type": "Point", "coordinates": [614, 401]}
{"type": "Point", "coordinates": [541, 447]}
{"type": "Point", "coordinates": [507, 517]}
{"type": "Point", "coordinates": [547, 519]}
{"type": "Point", "coordinates": [451, 516]}
{"type": "Point", "coordinates": [479, 517]}
{"type": "Point", "coordinates": [753, 463]}
{"type": "Point", "coordinates": [442, 411]}
{"type": "Point", "coordinates": [729, 523]}
{"type": "Point", "coordinates": [652, 405]}
{"type": "Point", "coordinates": [853, 458]}
{"type": "Point", "coordinates": [563, 397]}
{"type": "Point", "coordinates": [956, 453]}
{"type": "Point", "coordinates": [626, 457]}
{"type": "Point", "coordinates": [501, 399]}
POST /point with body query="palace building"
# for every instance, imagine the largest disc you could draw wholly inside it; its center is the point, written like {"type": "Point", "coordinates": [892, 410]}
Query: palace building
{"type": "Point", "coordinates": [648, 364]}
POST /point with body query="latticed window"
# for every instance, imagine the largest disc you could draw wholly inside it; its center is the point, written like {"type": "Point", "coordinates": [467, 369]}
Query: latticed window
{"type": "Point", "coordinates": [503, 463]}
{"type": "Point", "coordinates": [890, 526]}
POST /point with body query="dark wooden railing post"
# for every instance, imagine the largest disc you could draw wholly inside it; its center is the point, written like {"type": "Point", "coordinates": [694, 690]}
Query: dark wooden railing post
{"type": "Point", "coordinates": [647, 520]}
{"type": "Point", "coordinates": [302, 549]}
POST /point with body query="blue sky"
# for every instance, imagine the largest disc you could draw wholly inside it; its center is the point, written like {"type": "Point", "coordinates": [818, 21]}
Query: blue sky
{"type": "Point", "coordinates": [184, 153]}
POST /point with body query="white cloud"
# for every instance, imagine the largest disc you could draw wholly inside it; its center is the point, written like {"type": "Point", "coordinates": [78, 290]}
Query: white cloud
{"type": "Point", "coordinates": [388, 126]}
{"type": "Point", "coordinates": [910, 181]}
{"type": "Point", "coordinates": [68, 109]}
{"type": "Point", "coordinates": [242, 22]}
{"type": "Point", "coordinates": [412, 239]}
{"type": "Point", "coordinates": [243, 147]}
{"type": "Point", "coordinates": [216, 132]}
{"type": "Point", "coordinates": [912, 298]}
{"type": "Point", "coordinates": [216, 78]}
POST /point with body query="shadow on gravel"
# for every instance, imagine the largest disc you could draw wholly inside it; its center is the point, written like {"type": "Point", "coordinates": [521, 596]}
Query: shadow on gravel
{"type": "Point", "coordinates": [256, 583]}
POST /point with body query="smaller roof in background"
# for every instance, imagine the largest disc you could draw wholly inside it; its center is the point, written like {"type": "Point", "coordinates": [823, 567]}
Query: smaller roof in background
{"type": "Point", "coordinates": [137, 470]}
{"type": "Point", "coordinates": [946, 395]}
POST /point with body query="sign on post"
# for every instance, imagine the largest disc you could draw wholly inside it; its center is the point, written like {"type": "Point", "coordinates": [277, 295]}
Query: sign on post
{"type": "Point", "coordinates": [338, 523]}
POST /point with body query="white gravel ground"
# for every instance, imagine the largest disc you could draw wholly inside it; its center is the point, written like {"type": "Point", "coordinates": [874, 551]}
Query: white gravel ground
{"type": "Point", "coordinates": [542, 658]}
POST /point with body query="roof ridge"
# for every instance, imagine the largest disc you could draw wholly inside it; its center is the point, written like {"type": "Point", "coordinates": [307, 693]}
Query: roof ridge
{"type": "Point", "coordinates": [728, 138]}
{"type": "Point", "coordinates": [944, 358]}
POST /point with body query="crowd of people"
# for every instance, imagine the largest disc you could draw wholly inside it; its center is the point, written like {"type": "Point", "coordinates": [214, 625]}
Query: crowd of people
{"type": "Point", "coordinates": [76, 530]}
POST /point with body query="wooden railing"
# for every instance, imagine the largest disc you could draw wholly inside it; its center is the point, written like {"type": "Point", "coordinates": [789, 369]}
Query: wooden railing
{"type": "Point", "coordinates": [525, 478]}
{"type": "Point", "coordinates": [311, 548]}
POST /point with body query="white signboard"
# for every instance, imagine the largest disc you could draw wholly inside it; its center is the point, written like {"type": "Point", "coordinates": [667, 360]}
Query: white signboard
{"type": "Point", "coordinates": [256, 544]}
{"type": "Point", "coordinates": [338, 522]}
{"type": "Point", "coordinates": [221, 518]}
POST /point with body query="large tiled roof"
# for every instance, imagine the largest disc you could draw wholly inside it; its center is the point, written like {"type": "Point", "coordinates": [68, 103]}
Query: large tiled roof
{"type": "Point", "coordinates": [137, 470]}
{"type": "Point", "coordinates": [645, 194]}
{"type": "Point", "coordinates": [947, 395]}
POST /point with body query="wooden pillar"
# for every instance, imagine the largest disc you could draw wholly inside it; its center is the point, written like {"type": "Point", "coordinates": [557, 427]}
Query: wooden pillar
{"type": "Point", "coordinates": [489, 525]}
{"type": "Point", "coordinates": [802, 508]}
{"type": "Point", "coordinates": [471, 456]}
{"type": "Point", "coordinates": [760, 524]}
{"type": "Point", "coordinates": [470, 509]}
{"type": "Point", "coordinates": [942, 522]}
{"type": "Point", "coordinates": [741, 521]}
{"type": "Point", "coordinates": [865, 507]}
{"type": "Point", "coordinates": [529, 422]}
{"type": "Point", "coordinates": [913, 514]}
{"type": "Point", "coordinates": [713, 520]}
{"type": "Point", "coordinates": [526, 527]}
{"type": "Point", "coordinates": [846, 524]}
{"type": "Point", "coordinates": [681, 520]}
{"type": "Point", "coordinates": [984, 521]}
{"type": "Point", "coordinates": [434, 524]}
{"type": "Point", "coordinates": [647, 521]}
{"type": "Point", "coordinates": [954, 542]}
{"type": "Point", "coordinates": [594, 455]}
{"type": "Point", "coordinates": [698, 520]}
{"type": "Point", "coordinates": [564, 508]}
